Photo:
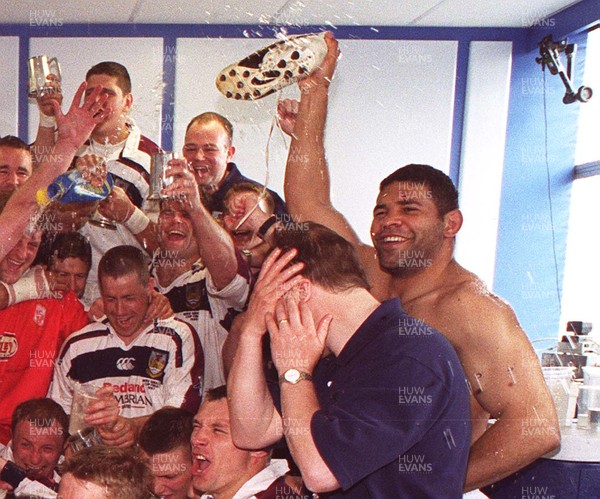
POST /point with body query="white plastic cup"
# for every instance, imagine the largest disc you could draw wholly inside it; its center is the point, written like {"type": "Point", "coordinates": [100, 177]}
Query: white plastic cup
{"type": "Point", "coordinates": [83, 396]}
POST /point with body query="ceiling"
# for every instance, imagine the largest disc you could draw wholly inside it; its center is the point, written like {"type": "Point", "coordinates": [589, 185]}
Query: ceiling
{"type": "Point", "coordinates": [451, 13]}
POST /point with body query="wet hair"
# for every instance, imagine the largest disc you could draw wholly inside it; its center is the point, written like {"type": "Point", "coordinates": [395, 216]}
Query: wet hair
{"type": "Point", "coordinates": [123, 260]}
{"type": "Point", "coordinates": [209, 117]}
{"type": "Point", "coordinates": [14, 143]}
{"type": "Point", "coordinates": [329, 260]}
{"type": "Point", "coordinates": [121, 472]}
{"type": "Point", "coordinates": [443, 191]}
{"type": "Point", "coordinates": [42, 412]}
{"type": "Point", "coordinates": [115, 69]}
{"type": "Point", "coordinates": [217, 393]}
{"type": "Point", "coordinates": [166, 430]}
{"type": "Point", "coordinates": [251, 187]}
{"type": "Point", "coordinates": [70, 245]}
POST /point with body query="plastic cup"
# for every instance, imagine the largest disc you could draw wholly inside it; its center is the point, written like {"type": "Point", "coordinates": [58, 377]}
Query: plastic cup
{"type": "Point", "coordinates": [83, 395]}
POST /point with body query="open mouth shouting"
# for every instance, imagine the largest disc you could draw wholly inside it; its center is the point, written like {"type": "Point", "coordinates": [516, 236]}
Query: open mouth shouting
{"type": "Point", "coordinates": [200, 465]}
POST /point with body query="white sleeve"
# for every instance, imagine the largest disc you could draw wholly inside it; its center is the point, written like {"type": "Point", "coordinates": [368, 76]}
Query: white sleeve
{"type": "Point", "coordinates": [233, 295]}
{"type": "Point", "coordinates": [178, 380]}
{"type": "Point", "coordinates": [212, 340]}
{"type": "Point", "coordinates": [61, 388]}
{"type": "Point", "coordinates": [30, 488]}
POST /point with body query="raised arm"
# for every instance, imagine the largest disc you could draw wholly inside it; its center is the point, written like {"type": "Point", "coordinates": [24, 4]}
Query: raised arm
{"type": "Point", "coordinates": [118, 207]}
{"type": "Point", "coordinates": [307, 185]}
{"type": "Point", "coordinates": [73, 129]}
{"type": "Point", "coordinates": [296, 343]}
{"type": "Point", "coordinates": [214, 243]}
{"type": "Point", "coordinates": [255, 423]}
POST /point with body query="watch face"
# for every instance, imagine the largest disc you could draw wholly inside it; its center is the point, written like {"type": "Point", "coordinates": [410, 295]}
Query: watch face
{"type": "Point", "coordinates": [292, 375]}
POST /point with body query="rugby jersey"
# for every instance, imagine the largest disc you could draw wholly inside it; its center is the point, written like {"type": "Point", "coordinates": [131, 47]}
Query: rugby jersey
{"type": "Point", "coordinates": [195, 299]}
{"type": "Point", "coordinates": [130, 168]}
{"type": "Point", "coordinates": [162, 366]}
{"type": "Point", "coordinates": [31, 334]}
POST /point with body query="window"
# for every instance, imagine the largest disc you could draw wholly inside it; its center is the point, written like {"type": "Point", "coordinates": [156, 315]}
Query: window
{"type": "Point", "coordinates": [581, 286]}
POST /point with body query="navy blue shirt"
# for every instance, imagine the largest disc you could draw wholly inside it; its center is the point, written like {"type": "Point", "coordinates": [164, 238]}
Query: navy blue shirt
{"type": "Point", "coordinates": [394, 420]}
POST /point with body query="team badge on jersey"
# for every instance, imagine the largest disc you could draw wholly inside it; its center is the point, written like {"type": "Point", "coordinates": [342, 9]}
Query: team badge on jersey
{"type": "Point", "coordinates": [8, 345]}
{"type": "Point", "coordinates": [39, 316]}
{"type": "Point", "coordinates": [156, 364]}
{"type": "Point", "coordinates": [193, 295]}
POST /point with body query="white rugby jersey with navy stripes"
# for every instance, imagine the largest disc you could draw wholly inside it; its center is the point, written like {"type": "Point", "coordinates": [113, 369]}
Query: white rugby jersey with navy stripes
{"type": "Point", "coordinates": [130, 168]}
{"type": "Point", "coordinates": [162, 366]}
{"type": "Point", "coordinates": [195, 299]}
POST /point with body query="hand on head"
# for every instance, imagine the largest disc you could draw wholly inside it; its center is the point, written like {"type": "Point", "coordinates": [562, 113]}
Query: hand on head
{"type": "Point", "coordinates": [275, 279]}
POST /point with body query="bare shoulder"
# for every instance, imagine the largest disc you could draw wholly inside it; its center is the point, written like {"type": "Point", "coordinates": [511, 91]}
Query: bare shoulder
{"type": "Point", "coordinates": [469, 298]}
{"type": "Point", "coordinates": [474, 319]}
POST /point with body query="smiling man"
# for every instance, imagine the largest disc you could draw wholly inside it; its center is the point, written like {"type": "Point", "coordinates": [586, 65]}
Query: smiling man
{"type": "Point", "coordinates": [15, 163]}
{"type": "Point", "coordinates": [195, 265]}
{"type": "Point", "coordinates": [415, 222]}
{"type": "Point", "coordinates": [39, 428]}
{"type": "Point", "coordinates": [205, 291]}
{"type": "Point", "coordinates": [19, 259]}
{"type": "Point", "coordinates": [34, 321]}
{"type": "Point", "coordinates": [209, 151]}
{"type": "Point", "coordinates": [70, 262]}
{"type": "Point", "coordinates": [148, 364]}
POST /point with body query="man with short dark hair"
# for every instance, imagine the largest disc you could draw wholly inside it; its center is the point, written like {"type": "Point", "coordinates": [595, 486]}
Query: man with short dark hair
{"type": "Point", "coordinates": [15, 163]}
{"type": "Point", "coordinates": [127, 153]}
{"type": "Point", "coordinates": [119, 143]}
{"type": "Point", "coordinates": [39, 430]}
{"type": "Point", "coordinates": [165, 440]}
{"type": "Point", "coordinates": [415, 222]}
{"type": "Point", "coordinates": [150, 364]}
{"type": "Point", "coordinates": [223, 471]}
{"type": "Point", "coordinates": [373, 402]}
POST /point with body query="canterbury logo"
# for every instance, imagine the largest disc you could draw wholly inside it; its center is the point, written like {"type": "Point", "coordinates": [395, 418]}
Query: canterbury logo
{"type": "Point", "coordinates": [125, 364]}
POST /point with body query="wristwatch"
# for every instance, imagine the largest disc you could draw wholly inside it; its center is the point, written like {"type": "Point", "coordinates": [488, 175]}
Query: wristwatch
{"type": "Point", "coordinates": [293, 376]}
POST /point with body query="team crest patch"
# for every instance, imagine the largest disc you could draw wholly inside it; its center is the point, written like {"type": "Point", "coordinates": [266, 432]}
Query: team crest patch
{"type": "Point", "coordinates": [39, 316]}
{"type": "Point", "coordinates": [8, 345]}
{"type": "Point", "coordinates": [193, 295]}
{"type": "Point", "coordinates": [156, 364]}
